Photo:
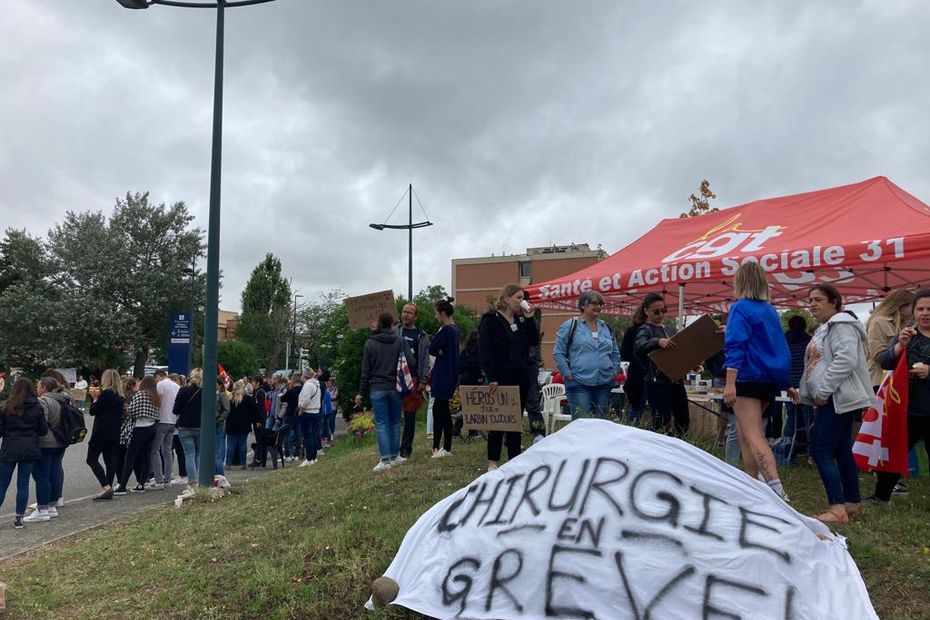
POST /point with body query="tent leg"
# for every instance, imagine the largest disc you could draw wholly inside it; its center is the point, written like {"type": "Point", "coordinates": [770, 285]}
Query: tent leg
{"type": "Point", "coordinates": [681, 306]}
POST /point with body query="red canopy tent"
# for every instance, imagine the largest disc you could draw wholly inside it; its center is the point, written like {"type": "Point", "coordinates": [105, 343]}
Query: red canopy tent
{"type": "Point", "coordinates": [866, 238]}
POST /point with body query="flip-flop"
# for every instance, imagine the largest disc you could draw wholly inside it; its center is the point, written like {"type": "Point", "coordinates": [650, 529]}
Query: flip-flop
{"type": "Point", "coordinates": [832, 517]}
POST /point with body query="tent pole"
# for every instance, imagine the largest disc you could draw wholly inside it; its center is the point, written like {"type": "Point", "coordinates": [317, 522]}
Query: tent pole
{"type": "Point", "coordinates": [681, 306]}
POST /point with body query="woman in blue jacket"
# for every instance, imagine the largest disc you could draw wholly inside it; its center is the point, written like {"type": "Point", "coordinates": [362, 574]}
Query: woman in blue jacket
{"type": "Point", "coordinates": [588, 358]}
{"type": "Point", "coordinates": [757, 366]}
{"type": "Point", "coordinates": [444, 376]}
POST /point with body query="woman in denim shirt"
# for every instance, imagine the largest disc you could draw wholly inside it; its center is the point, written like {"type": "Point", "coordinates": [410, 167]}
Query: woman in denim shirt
{"type": "Point", "coordinates": [587, 356]}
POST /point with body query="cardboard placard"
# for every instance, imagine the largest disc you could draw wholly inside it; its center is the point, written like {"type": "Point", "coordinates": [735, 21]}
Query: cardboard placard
{"type": "Point", "coordinates": [693, 345]}
{"type": "Point", "coordinates": [484, 411]}
{"type": "Point", "coordinates": [365, 309]}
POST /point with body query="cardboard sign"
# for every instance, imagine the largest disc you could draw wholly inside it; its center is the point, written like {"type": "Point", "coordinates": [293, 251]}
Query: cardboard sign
{"type": "Point", "coordinates": [601, 520]}
{"type": "Point", "coordinates": [693, 345]}
{"type": "Point", "coordinates": [484, 411]}
{"type": "Point", "coordinates": [365, 309]}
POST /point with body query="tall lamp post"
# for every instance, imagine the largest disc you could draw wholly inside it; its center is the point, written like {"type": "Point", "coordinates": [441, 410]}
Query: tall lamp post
{"type": "Point", "coordinates": [294, 336]}
{"type": "Point", "coordinates": [211, 309]}
{"type": "Point", "coordinates": [190, 271]}
{"type": "Point", "coordinates": [408, 227]}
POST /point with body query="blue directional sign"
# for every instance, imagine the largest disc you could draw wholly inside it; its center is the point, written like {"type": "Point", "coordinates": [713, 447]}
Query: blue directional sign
{"type": "Point", "coordinates": [179, 343]}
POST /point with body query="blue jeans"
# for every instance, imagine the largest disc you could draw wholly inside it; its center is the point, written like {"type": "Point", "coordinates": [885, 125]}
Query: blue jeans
{"type": "Point", "coordinates": [47, 474]}
{"type": "Point", "coordinates": [219, 452]}
{"type": "Point", "coordinates": [310, 430]}
{"type": "Point", "coordinates": [586, 401]}
{"type": "Point", "coordinates": [23, 471]}
{"type": "Point", "coordinates": [831, 448]}
{"type": "Point", "coordinates": [292, 442]}
{"type": "Point", "coordinates": [190, 441]}
{"type": "Point", "coordinates": [234, 440]}
{"type": "Point", "coordinates": [387, 406]}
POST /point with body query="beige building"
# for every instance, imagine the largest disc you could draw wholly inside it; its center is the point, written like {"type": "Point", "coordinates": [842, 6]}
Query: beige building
{"type": "Point", "coordinates": [476, 282]}
{"type": "Point", "coordinates": [226, 322]}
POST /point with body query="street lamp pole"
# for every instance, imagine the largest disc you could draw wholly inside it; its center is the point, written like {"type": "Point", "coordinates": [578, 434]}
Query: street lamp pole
{"type": "Point", "coordinates": [211, 309]}
{"type": "Point", "coordinates": [191, 271]}
{"type": "Point", "coordinates": [294, 335]}
{"type": "Point", "coordinates": [409, 227]}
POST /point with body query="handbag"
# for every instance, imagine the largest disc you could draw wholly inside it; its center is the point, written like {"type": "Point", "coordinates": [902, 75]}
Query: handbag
{"type": "Point", "coordinates": [404, 378]}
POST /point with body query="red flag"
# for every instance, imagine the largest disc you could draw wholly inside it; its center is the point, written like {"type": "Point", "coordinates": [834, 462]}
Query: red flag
{"type": "Point", "coordinates": [881, 444]}
{"type": "Point", "coordinates": [227, 380]}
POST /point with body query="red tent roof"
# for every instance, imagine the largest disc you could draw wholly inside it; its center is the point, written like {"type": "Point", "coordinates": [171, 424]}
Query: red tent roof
{"type": "Point", "coordinates": [866, 238]}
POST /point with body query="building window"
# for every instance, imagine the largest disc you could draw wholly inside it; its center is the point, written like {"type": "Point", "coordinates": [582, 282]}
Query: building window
{"type": "Point", "coordinates": [526, 270]}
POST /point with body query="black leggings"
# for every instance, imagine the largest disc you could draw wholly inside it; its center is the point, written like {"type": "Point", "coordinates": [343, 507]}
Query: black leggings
{"type": "Point", "coordinates": [442, 424]}
{"type": "Point", "coordinates": [182, 462]}
{"type": "Point", "coordinates": [108, 450]}
{"type": "Point", "coordinates": [520, 378]}
{"type": "Point", "coordinates": [139, 448]}
{"type": "Point", "coordinates": [669, 402]}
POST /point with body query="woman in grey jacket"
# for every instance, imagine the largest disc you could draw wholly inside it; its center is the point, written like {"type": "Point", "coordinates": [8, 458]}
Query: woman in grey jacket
{"type": "Point", "coordinates": [836, 382]}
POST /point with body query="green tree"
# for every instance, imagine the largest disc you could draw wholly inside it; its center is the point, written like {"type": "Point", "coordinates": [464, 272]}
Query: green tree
{"type": "Point", "coordinates": [265, 320]}
{"type": "Point", "coordinates": [99, 290]}
{"type": "Point", "coordinates": [237, 358]}
{"type": "Point", "coordinates": [700, 203]}
{"type": "Point", "coordinates": [802, 312]}
{"type": "Point", "coordinates": [321, 325]}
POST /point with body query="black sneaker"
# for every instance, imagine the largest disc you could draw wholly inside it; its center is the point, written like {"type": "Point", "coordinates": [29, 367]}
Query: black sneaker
{"type": "Point", "coordinates": [119, 490]}
{"type": "Point", "coordinates": [139, 488]}
{"type": "Point", "coordinates": [900, 489]}
{"type": "Point", "coordinates": [874, 500]}
{"type": "Point", "coordinates": [18, 522]}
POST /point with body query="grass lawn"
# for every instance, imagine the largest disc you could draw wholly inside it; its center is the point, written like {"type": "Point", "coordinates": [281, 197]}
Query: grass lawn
{"type": "Point", "coordinates": [307, 543]}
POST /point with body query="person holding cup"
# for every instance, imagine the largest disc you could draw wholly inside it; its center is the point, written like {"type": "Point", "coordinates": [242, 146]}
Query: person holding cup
{"type": "Point", "coordinates": [914, 342]}
{"type": "Point", "coordinates": [505, 335]}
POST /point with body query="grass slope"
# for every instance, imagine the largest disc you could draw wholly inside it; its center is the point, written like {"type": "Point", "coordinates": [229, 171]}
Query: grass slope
{"type": "Point", "coordinates": [307, 543]}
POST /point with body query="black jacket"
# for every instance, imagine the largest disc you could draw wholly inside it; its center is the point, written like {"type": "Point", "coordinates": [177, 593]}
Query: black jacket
{"type": "Point", "coordinates": [647, 339]}
{"type": "Point", "coordinates": [242, 416]}
{"type": "Point", "coordinates": [504, 354]}
{"type": "Point", "coordinates": [918, 397]}
{"type": "Point", "coordinates": [469, 366]}
{"type": "Point", "coordinates": [107, 411]}
{"type": "Point", "coordinates": [187, 406]}
{"type": "Point", "coordinates": [21, 432]}
{"type": "Point", "coordinates": [379, 361]}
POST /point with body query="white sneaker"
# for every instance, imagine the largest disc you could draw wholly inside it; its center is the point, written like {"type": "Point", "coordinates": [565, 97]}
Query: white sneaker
{"type": "Point", "coordinates": [441, 453]}
{"type": "Point", "coordinates": [157, 486]}
{"type": "Point", "coordinates": [181, 480]}
{"type": "Point", "coordinates": [60, 502]}
{"type": "Point", "coordinates": [307, 463]}
{"type": "Point", "coordinates": [492, 466]}
{"type": "Point", "coordinates": [383, 466]}
{"type": "Point", "coordinates": [35, 516]}
{"type": "Point", "coordinates": [398, 460]}
{"type": "Point", "coordinates": [33, 506]}
{"type": "Point", "coordinates": [52, 512]}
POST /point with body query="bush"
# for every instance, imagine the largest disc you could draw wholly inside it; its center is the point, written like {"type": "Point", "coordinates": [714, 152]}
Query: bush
{"type": "Point", "coordinates": [238, 358]}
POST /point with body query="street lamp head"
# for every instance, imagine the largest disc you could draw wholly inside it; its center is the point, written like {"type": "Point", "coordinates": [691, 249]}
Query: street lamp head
{"type": "Point", "coordinates": [377, 226]}
{"type": "Point", "coordinates": [134, 4]}
{"type": "Point", "coordinates": [188, 271]}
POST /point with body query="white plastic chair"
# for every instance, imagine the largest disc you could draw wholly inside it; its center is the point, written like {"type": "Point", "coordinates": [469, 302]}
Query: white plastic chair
{"type": "Point", "coordinates": [553, 394]}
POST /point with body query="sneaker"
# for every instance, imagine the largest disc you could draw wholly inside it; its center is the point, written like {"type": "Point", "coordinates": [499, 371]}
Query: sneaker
{"type": "Point", "coordinates": [187, 494]}
{"type": "Point", "coordinates": [52, 512]}
{"type": "Point", "coordinates": [18, 522]}
{"type": "Point", "coordinates": [307, 463]}
{"type": "Point", "coordinates": [538, 438]}
{"type": "Point", "coordinates": [492, 466]}
{"type": "Point", "coordinates": [33, 506]}
{"type": "Point", "coordinates": [36, 516]}
{"type": "Point", "coordinates": [60, 502]}
{"type": "Point", "coordinates": [440, 453]}
{"type": "Point", "coordinates": [181, 480]}
{"type": "Point", "coordinates": [104, 495]}
{"type": "Point", "coordinates": [119, 490]}
{"type": "Point", "coordinates": [874, 500]}
{"type": "Point", "coordinates": [383, 466]}
{"type": "Point", "coordinates": [139, 488]}
{"type": "Point", "coordinates": [900, 489]}
{"type": "Point", "coordinates": [398, 460]}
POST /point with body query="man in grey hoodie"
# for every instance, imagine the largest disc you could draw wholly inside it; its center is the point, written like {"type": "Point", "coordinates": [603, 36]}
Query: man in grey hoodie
{"type": "Point", "coordinates": [379, 376]}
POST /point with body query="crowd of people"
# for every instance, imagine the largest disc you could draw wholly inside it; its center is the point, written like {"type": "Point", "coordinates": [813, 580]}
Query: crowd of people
{"type": "Point", "coordinates": [142, 427]}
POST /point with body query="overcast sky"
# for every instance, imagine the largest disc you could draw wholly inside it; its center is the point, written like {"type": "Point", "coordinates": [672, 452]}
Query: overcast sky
{"type": "Point", "coordinates": [520, 123]}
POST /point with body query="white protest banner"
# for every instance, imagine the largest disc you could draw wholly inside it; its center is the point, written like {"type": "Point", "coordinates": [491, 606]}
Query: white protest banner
{"type": "Point", "coordinates": [486, 410]}
{"type": "Point", "coordinates": [365, 309]}
{"type": "Point", "coordinates": [607, 521]}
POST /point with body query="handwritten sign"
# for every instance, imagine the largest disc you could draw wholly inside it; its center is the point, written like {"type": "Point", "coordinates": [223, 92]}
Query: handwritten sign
{"type": "Point", "coordinates": [365, 309]}
{"type": "Point", "coordinates": [602, 520]}
{"type": "Point", "coordinates": [486, 411]}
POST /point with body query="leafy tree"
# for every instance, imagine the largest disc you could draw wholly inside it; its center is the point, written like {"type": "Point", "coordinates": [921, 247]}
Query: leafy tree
{"type": "Point", "coordinates": [97, 290]}
{"type": "Point", "coordinates": [700, 204]}
{"type": "Point", "coordinates": [802, 312]}
{"type": "Point", "coordinates": [266, 316]}
{"type": "Point", "coordinates": [321, 325]}
{"type": "Point", "coordinates": [237, 357]}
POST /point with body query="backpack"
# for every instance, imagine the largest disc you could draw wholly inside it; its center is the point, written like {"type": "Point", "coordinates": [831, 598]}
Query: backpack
{"type": "Point", "coordinates": [72, 429]}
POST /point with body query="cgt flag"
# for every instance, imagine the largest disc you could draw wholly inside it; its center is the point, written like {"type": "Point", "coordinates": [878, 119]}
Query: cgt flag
{"type": "Point", "coordinates": [881, 444]}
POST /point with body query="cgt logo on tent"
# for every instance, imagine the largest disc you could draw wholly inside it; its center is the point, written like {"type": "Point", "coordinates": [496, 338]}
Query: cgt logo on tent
{"type": "Point", "coordinates": [725, 239]}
